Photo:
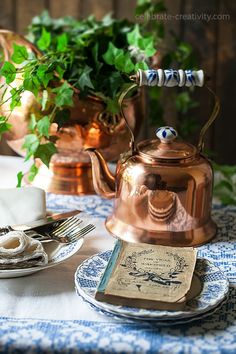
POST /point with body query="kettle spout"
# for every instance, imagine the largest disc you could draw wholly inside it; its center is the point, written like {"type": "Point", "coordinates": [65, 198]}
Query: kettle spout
{"type": "Point", "coordinates": [103, 180]}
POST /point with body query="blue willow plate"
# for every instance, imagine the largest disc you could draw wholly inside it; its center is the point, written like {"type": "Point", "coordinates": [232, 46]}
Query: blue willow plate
{"type": "Point", "coordinates": [156, 322]}
{"type": "Point", "coordinates": [215, 287]}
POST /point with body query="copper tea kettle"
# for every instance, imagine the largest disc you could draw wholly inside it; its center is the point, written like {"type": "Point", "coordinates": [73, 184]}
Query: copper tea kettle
{"type": "Point", "coordinates": [162, 187]}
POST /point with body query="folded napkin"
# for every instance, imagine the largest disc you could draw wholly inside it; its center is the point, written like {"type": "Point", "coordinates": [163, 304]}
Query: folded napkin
{"type": "Point", "coordinates": [17, 250]}
{"type": "Point", "coordinates": [21, 205]}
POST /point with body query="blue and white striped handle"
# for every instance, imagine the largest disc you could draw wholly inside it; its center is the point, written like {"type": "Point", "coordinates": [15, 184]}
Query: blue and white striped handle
{"type": "Point", "coordinates": [170, 78]}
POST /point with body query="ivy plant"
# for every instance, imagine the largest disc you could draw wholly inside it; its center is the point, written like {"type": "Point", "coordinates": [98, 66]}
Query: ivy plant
{"type": "Point", "coordinates": [87, 57]}
{"type": "Point", "coordinates": [77, 56]}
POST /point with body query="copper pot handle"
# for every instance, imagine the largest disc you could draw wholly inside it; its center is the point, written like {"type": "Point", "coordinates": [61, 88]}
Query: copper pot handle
{"type": "Point", "coordinates": [7, 38]}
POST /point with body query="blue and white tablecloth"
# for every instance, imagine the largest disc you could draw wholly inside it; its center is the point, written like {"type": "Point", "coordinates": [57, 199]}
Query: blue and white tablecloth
{"type": "Point", "coordinates": [75, 328]}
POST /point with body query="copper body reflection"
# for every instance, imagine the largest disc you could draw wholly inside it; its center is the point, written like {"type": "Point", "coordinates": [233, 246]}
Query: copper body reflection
{"type": "Point", "coordinates": [159, 200]}
{"type": "Point", "coordinates": [180, 215]}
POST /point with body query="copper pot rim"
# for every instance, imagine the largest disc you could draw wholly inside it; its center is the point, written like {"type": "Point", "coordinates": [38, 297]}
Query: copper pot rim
{"type": "Point", "coordinates": [175, 161]}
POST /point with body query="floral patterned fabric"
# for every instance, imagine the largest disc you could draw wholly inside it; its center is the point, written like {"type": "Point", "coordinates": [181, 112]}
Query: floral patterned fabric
{"type": "Point", "coordinates": [215, 334]}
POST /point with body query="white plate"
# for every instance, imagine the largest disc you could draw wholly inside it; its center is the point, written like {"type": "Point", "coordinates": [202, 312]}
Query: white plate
{"type": "Point", "coordinates": [215, 287]}
{"type": "Point", "coordinates": [57, 253]}
{"type": "Point", "coordinates": [160, 322]}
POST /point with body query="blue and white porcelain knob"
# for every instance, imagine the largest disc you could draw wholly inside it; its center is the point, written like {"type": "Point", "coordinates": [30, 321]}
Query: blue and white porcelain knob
{"type": "Point", "coordinates": [166, 134]}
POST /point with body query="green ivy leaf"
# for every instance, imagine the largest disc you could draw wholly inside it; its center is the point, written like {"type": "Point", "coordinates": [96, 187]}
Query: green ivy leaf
{"type": "Point", "coordinates": [62, 42]}
{"type": "Point", "coordinates": [124, 63]}
{"type": "Point", "coordinates": [95, 51]}
{"type": "Point", "coordinates": [20, 176]}
{"type": "Point", "coordinates": [111, 54]}
{"type": "Point", "coordinates": [32, 84]}
{"type": "Point", "coordinates": [84, 80]}
{"type": "Point", "coordinates": [60, 71]}
{"type": "Point", "coordinates": [64, 95]}
{"type": "Point", "coordinates": [44, 152]}
{"type": "Point", "coordinates": [108, 20]}
{"type": "Point", "coordinates": [32, 172]}
{"type": "Point", "coordinates": [61, 117]}
{"type": "Point", "coordinates": [134, 36]}
{"type": "Point", "coordinates": [43, 75]}
{"type": "Point", "coordinates": [15, 98]}
{"type": "Point", "coordinates": [31, 144]}
{"type": "Point", "coordinates": [20, 54]}
{"type": "Point", "coordinates": [8, 71]}
{"type": "Point", "coordinates": [43, 126]}
{"type": "Point", "coordinates": [146, 44]}
{"type": "Point", "coordinates": [44, 41]}
{"type": "Point", "coordinates": [4, 126]}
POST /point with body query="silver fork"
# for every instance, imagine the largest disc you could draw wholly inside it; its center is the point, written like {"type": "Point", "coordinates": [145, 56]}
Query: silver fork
{"type": "Point", "coordinates": [66, 232]}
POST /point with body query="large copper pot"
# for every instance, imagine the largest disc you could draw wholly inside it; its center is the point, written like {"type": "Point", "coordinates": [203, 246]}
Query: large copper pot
{"type": "Point", "coordinates": [90, 126]}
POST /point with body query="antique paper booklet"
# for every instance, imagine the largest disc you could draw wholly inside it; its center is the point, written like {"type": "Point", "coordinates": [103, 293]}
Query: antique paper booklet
{"type": "Point", "coordinates": [147, 276]}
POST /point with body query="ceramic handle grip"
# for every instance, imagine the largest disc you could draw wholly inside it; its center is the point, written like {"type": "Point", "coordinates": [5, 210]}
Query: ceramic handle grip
{"type": "Point", "coordinates": [170, 78]}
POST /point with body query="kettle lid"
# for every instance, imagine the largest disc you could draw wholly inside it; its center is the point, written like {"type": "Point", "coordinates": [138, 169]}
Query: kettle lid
{"type": "Point", "coordinates": [165, 147]}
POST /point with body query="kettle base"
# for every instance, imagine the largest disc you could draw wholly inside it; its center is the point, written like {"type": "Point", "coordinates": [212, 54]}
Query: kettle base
{"type": "Point", "coordinates": [189, 238]}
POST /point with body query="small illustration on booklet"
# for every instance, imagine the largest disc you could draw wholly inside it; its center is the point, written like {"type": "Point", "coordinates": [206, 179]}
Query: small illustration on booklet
{"type": "Point", "coordinates": [147, 276]}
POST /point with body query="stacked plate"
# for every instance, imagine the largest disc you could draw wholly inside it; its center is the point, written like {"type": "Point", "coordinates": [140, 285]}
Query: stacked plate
{"type": "Point", "coordinates": [214, 290]}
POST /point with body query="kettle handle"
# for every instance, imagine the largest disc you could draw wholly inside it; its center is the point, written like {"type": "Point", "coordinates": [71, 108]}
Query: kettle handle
{"type": "Point", "coordinates": [120, 102]}
{"type": "Point", "coordinates": [210, 120]}
{"type": "Point", "coordinates": [171, 78]}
